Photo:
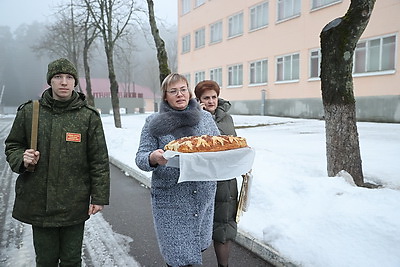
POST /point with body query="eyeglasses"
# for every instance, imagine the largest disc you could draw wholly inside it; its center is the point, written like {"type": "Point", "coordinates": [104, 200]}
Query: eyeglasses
{"type": "Point", "coordinates": [177, 91]}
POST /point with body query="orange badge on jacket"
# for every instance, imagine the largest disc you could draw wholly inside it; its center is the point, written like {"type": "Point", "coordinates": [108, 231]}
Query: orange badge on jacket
{"type": "Point", "coordinates": [73, 137]}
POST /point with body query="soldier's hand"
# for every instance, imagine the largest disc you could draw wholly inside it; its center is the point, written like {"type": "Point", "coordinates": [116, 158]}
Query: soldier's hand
{"type": "Point", "coordinates": [93, 209]}
{"type": "Point", "coordinates": [31, 157]}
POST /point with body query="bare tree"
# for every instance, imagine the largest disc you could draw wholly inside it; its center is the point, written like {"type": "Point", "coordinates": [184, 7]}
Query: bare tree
{"type": "Point", "coordinates": [111, 17]}
{"type": "Point", "coordinates": [62, 41]}
{"type": "Point", "coordinates": [59, 41]}
{"type": "Point", "coordinates": [125, 55]}
{"type": "Point", "coordinates": [150, 78]}
{"type": "Point", "coordinates": [74, 53]}
{"type": "Point", "coordinates": [90, 33]}
{"type": "Point", "coordinates": [338, 41]}
{"type": "Point", "coordinates": [160, 45]}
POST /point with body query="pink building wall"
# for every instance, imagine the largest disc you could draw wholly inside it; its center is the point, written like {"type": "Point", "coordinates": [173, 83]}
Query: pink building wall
{"type": "Point", "coordinates": [296, 35]}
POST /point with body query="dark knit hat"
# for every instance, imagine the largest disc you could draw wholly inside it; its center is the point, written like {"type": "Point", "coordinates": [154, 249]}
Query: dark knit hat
{"type": "Point", "coordinates": [61, 65]}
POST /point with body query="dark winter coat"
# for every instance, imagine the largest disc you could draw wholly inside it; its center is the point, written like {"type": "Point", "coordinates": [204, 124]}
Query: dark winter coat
{"type": "Point", "coordinates": [70, 173]}
{"type": "Point", "coordinates": [225, 227]}
{"type": "Point", "coordinates": [182, 212]}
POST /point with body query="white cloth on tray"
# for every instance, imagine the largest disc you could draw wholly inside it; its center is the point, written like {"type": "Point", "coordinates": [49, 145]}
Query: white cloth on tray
{"type": "Point", "coordinates": [211, 166]}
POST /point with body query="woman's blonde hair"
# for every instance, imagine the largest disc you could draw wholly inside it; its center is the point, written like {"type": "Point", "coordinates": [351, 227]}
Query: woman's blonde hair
{"type": "Point", "coordinates": [171, 79]}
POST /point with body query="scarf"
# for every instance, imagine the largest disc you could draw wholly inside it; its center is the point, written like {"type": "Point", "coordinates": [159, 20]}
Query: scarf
{"type": "Point", "coordinates": [178, 123]}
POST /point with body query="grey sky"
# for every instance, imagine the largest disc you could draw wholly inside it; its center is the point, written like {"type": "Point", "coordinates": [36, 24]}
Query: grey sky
{"type": "Point", "coordinates": [16, 12]}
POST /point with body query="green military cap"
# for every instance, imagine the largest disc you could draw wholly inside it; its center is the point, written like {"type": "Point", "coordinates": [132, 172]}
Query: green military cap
{"type": "Point", "coordinates": [61, 65]}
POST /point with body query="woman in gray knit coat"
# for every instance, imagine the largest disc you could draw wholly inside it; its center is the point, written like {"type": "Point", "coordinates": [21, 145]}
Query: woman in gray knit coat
{"type": "Point", "coordinates": [182, 212]}
{"type": "Point", "coordinates": [225, 227]}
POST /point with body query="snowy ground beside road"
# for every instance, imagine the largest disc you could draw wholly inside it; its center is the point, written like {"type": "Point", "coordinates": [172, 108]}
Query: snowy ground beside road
{"type": "Point", "coordinates": [309, 218]}
{"type": "Point", "coordinates": [101, 246]}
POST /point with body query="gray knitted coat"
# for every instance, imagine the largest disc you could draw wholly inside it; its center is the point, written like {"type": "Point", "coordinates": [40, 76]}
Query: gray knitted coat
{"type": "Point", "coordinates": [183, 213]}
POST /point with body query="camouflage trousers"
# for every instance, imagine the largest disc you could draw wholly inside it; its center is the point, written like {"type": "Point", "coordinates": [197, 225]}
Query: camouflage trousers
{"type": "Point", "coordinates": [58, 246]}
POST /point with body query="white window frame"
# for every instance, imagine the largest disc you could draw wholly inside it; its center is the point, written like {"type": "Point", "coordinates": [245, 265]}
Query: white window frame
{"type": "Point", "coordinates": [216, 75]}
{"type": "Point", "coordinates": [259, 16]}
{"type": "Point", "coordinates": [235, 75]}
{"type": "Point", "coordinates": [258, 72]}
{"type": "Point", "coordinates": [288, 68]}
{"type": "Point", "coordinates": [216, 32]}
{"type": "Point", "coordinates": [315, 64]}
{"type": "Point", "coordinates": [235, 25]}
{"type": "Point", "coordinates": [199, 3]}
{"type": "Point", "coordinates": [186, 6]}
{"type": "Point", "coordinates": [199, 76]}
{"type": "Point", "coordinates": [200, 38]}
{"type": "Point", "coordinates": [370, 54]}
{"type": "Point", "coordinates": [287, 9]}
{"type": "Point", "coordinates": [187, 76]}
{"type": "Point", "coordinates": [317, 4]}
{"type": "Point", "coordinates": [186, 43]}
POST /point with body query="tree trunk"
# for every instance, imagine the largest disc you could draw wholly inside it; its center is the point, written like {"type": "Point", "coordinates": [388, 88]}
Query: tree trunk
{"type": "Point", "coordinates": [160, 45]}
{"type": "Point", "coordinates": [113, 87]}
{"type": "Point", "coordinates": [338, 41]}
{"type": "Point", "coordinates": [86, 47]}
{"type": "Point", "coordinates": [86, 67]}
{"type": "Point", "coordinates": [111, 25]}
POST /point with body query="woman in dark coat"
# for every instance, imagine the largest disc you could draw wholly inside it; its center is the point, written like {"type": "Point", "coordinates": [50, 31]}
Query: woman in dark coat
{"type": "Point", "coordinates": [225, 227]}
{"type": "Point", "coordinates": [182, 212]}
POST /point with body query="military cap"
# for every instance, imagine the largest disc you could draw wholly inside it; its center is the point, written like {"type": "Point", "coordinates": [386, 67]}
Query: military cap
{"type": "Point", "coordinates": [61, 65]}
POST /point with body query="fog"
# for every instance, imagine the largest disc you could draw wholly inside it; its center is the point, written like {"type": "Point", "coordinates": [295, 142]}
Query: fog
{"type": "Point", "coordinates": [23, 68]}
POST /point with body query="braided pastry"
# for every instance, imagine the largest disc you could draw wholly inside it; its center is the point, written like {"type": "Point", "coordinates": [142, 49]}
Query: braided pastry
{"type": "Point", "coordinates": [206, 143]}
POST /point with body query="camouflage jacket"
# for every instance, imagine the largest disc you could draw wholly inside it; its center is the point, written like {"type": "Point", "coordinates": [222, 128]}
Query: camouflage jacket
{"type": "Point", "coordinates": [73, 168]}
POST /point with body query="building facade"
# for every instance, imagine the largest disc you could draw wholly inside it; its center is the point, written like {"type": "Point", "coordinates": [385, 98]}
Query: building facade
{"type": "Point", "coordinates": [266, 55]}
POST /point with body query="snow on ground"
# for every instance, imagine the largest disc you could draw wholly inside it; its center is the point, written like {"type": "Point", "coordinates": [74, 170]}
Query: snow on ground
{"type": "Point", "coordinates": [309, 218]}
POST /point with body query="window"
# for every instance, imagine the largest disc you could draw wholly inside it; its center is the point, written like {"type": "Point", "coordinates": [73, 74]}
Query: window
{"type": "Point", "coordinates": [199, 76]}
{"type": "Point", "coordinates": [216, 32]}
{"type": "Point", "coordinates": [235, 25]}
{"type": "Point", "coordinates": [321, 3]}
{"type": "Point", "coordinates": [216, 75]}
{"type": "Point", "coordinates": [287, 67]}
{"type": "Point", "coordinates": [315, 63]}
{"type": "Point", "coordinates": [186, 43]}
{"type": "Point", "coordinates": [235, 75]}
{"type": "Point", "coordinates": [187, 76]}
{"type": "Point", "coordinates": [185, 6]}
{"type": "Point", "coordinates": [200, 38]}
{"type": "Point", "coordinates": [259, 71]}
{"type": "Point", "coordinates": [375, 55]}
{"type": "Point", "coordinates": [259, 16]}
{"type": "Point", "coordinates": [200, 2]}
{"type": "Point", "coordinates": [288, 9]}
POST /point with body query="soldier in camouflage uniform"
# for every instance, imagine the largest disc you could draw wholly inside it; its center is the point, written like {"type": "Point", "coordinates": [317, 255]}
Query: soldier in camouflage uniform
{"type": "Point", "coordinates": [71, 179]}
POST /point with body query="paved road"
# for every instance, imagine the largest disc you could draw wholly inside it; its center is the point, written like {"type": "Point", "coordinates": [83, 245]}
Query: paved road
{"type": "Point", "coordinates": [130, 214]}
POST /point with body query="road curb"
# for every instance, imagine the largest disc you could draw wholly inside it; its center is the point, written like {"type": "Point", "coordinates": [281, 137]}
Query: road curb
{"type": "Point", "coordinates": [244, 239]}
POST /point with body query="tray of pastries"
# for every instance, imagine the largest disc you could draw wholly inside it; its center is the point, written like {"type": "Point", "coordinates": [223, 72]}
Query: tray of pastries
{"type": "Point", "coordinates": [209, 158]}
{"type": "Point", "coordinates": [206, 143]}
